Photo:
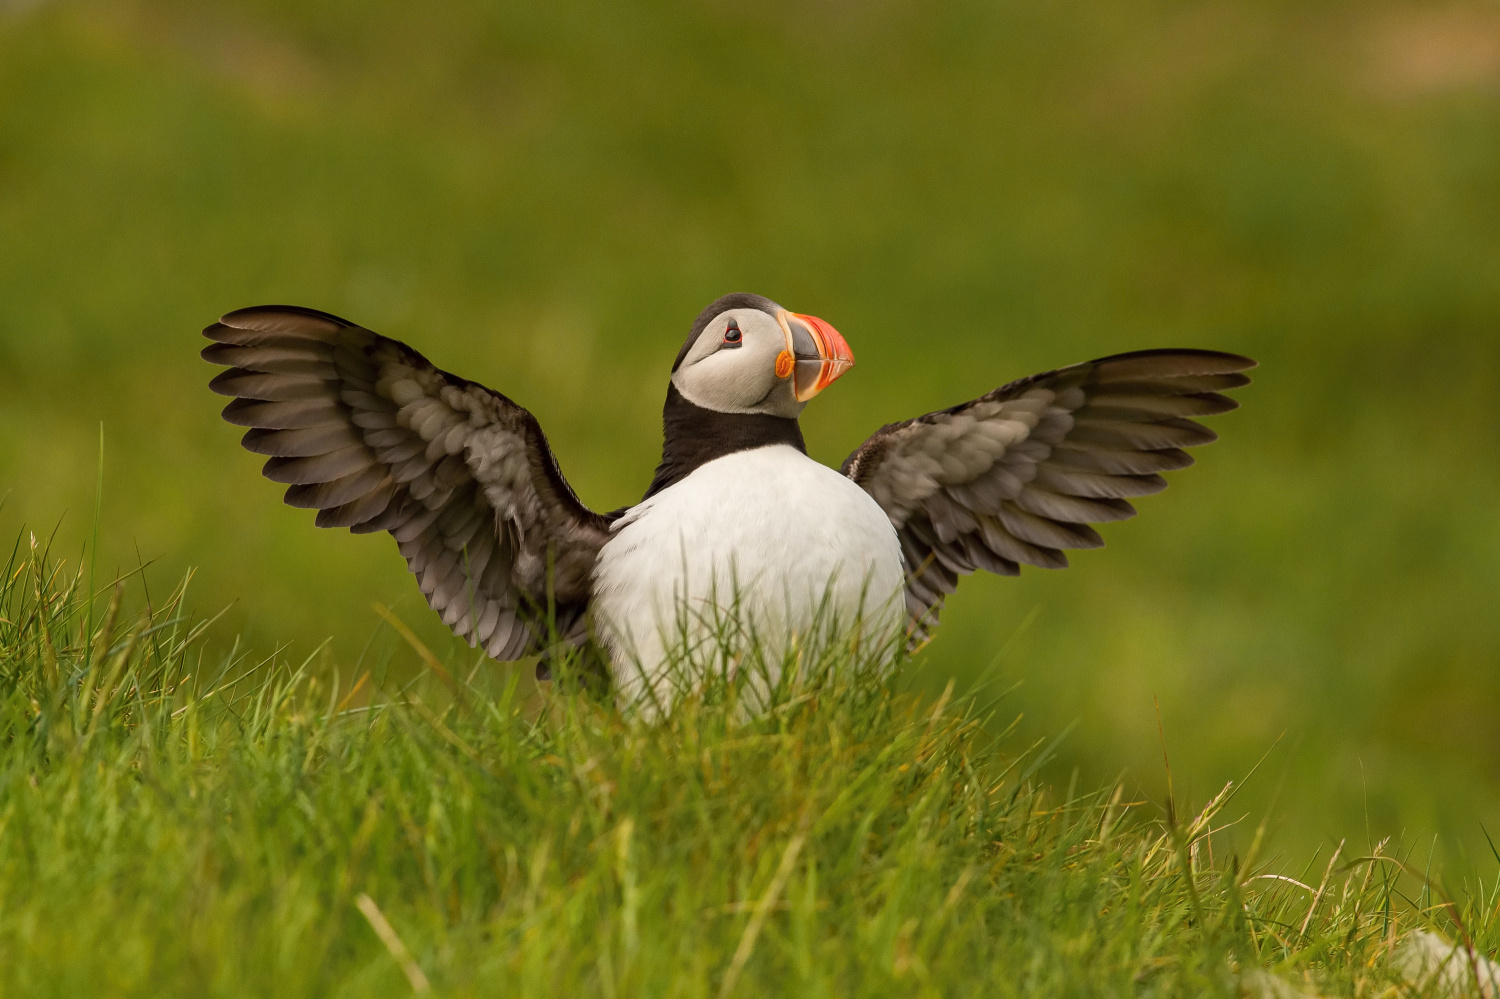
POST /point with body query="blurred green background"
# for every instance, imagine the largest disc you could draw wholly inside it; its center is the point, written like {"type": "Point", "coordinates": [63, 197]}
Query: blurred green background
{"type": "Point", "coordinates": [542, 197]}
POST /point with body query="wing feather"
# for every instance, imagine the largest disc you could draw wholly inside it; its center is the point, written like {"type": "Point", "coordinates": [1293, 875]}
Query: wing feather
{"type": "Point", "coordinates": [1071, 456]}
{"type": "Point", "coordinates": [299, 414]}
{"type": "Point", "coordinates": [306, 443]}
{"type": "Point", "coordinates": [375, 438]}
{"type": "Point", "coordinates": [1018, 475]}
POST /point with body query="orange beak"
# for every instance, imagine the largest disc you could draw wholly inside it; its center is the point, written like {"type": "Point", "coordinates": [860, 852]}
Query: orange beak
{"type": "Point", "coordinates": [820, 353]}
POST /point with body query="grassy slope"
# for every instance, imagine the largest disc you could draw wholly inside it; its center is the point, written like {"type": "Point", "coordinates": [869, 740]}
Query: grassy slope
{"type": "Point", "coordinates": [179, 822]}
{"type": "Point", "coordinates": [542, 196]}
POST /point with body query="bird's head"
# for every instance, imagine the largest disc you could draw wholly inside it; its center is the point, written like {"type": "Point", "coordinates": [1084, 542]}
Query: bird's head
{"type": "Point", "coordinates": [746, 354]}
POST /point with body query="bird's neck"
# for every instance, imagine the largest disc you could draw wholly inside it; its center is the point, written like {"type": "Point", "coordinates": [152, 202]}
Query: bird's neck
{"type": "Point", "coordinates": [693, 436]}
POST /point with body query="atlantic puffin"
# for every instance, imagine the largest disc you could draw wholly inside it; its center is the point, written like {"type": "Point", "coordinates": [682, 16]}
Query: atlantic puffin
{"type": "Point", "coordinates": [373, 436]}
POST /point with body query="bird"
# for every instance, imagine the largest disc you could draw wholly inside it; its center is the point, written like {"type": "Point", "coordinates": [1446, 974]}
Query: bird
{"type": "Point", "coordinates": [737, 520]}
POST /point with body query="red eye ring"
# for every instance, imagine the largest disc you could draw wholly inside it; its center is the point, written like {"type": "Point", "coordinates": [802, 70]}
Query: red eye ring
{"type": "Point", "coordinates": [732, 333]}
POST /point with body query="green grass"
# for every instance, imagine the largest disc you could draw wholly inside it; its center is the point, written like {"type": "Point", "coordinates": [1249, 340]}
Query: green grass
{"type": "Point", "coordinates": [181, 820]}
{"type": "Point", "coordinates": [542, 196]}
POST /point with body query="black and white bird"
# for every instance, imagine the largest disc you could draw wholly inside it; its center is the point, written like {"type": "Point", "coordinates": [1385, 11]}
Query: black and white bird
{"type": "Point", "coordinates": [376, 438]}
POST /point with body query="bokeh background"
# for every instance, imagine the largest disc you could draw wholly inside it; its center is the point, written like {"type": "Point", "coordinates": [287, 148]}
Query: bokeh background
{"type": "Point", "coordinates": [542, 197]}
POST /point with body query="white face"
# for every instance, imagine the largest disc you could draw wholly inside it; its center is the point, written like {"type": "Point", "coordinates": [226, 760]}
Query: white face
{"type": "Point", "coordinates": [732, 367]}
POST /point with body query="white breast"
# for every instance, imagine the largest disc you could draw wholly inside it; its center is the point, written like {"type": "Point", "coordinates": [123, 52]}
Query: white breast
{"type": "Point", "coordinates": [768, 540]}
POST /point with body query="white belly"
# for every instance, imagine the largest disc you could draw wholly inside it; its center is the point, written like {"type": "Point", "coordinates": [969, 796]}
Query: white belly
{"type": "Point", "coordinates": [765, 541]}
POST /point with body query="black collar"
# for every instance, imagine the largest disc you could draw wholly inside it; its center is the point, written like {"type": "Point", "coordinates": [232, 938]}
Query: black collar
{"type": "Point", "coordinates": [693, 436]}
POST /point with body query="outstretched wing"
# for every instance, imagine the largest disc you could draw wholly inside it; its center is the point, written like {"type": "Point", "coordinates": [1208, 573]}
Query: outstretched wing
{"type": "Point", "coordinates": [1019, 474]}
{"type": "Point", "coordinates": [367, 432]}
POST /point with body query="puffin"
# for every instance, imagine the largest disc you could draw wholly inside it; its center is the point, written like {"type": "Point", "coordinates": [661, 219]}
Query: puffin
{"type": "Point", "coordinates": [738, 523]}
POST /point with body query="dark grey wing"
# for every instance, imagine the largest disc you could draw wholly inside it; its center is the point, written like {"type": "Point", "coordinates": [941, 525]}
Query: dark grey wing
{"type": "Point", "coordinates": [1020, 473]}
{"type": "Point", "coordinates": [375, 438]}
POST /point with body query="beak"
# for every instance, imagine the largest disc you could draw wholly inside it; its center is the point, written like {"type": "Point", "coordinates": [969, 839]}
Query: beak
{"type": "Point", "coordinates": [820, 353]}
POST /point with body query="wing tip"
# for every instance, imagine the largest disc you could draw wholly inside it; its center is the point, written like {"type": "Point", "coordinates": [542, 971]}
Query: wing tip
{"type": "Point", "coordinates": [1225, 362]}
{"type": "Point", "coordinates": [259, 313]}
{"type": "Point", "coordinates": [273, 319]}
{"type": "Point", "coordinates": [222, 383]}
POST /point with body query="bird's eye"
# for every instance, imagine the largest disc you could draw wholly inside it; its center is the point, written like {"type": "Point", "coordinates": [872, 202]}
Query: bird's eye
{"type": "Point", "coordinates": [733, 334]}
